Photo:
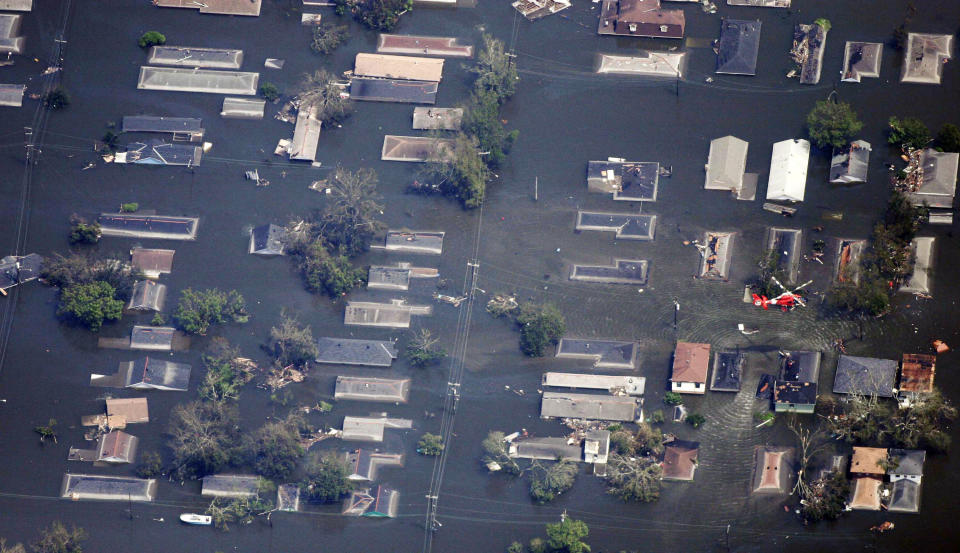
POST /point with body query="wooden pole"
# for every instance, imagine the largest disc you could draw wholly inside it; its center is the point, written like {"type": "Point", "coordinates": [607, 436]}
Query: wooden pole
{"type": "Point", "coordinates": [536, 186]}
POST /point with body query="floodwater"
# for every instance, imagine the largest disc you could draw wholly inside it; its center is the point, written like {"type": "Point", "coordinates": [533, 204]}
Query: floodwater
{"type": "Point", "coordinates": [566, 115]}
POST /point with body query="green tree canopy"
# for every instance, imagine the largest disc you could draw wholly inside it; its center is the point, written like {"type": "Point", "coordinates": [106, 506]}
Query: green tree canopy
{"type": "Point", "coordinates": [547, 483]}
{"type": "Point", "coordinates": [329, 273]}
{"type": "Point", "coordinates": [430, 444]}
{"type": "Point", "coordinates": [321, 91]}
{"type": "Point", "coordinates": [948, 139]}
{"type": "Point", "coordinates": [349, 218]}
{"type": "Point", "coordinates": [832, 124]}
{"type": "Point", "coordinates": [327, 37]}
{"type": "Point", "coordinates": [422, 350]}
{"type": "Point", "coordinates": [567, 536]}
{"type": "Point", "coordinates": [198, 309]}
{"type": "Point", "coordinates": [274, 450]}
{"type": "Point", "coordinates": [326, 479]}
{"type": "Point", "coordinates": [226, 372]}
{"type": "Point", "coordinates": [292, 343]}
{"type": "Point", "coordinates": [540, 326]}
{"type": "Point", "coordinates": [90, 304]}
{"type": "Point", "coordinates": [908, 132]}
{"type": "Point", "coordinates": [151, 38]}
{"type": "Point", "coordinates": [203, 437]}
{"type": "Point", "coordinates": [56, 538]}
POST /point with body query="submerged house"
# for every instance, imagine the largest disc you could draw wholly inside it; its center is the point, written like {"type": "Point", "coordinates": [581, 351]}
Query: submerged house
{"type": "Point", "coordinates": [147, 295]}
{"type": "Point", "coordinates": [389, 390]}
{"type": "Point", "coordinates": [800, 366]}
{"type": "Point", "coordinates": [348, 351]}
{"type": "Point", "coordinates": [866, 376]}
{"type": "Point", "coordinates": [607, 354]}
{"type": "Point", "coordinates": [632, 181]}
{"type": "Point", "coordinates": [623, 271]}
{"type": "Point", "coordinates": [849, 164]}
{"type": "Point", "coordinates": [11, 95]}
{"type": "Point", "coordinates": [648, 63]}
{"type": "Point", "coordinates": [809, 43]}
{"type": "Point", "coordinates": [107, 488]}
{"type": "Point", "coordinates": [393, 90]}
{"type": "Point", "coordinates": [869, 461]}
{"type": "Point", "coordinates": [589, 407]}
{"type": "Point", "coordinates": [535, 9]}
{"type": "Point", "coordinates": [788, 170]}
{"type": "Point", "coordinates": [442, 46]}
{"type": "Point", "coordinates": [306, 135]}
{"type": "Point", "coordinates": [133, 410]}
{"type": "Point", "coordinates": [267, 240]}
{"type": "Point", "coordinates": [715, 256]}
{"type": "Point", "coordinates": [242, 108]}
{"type": "Point", "coordinates": [680, 460]}
{"type": "Point", "coordinates": [396, 314]}
{"type": "Point", "coordinates": [847, 266]}
{"type": "Point", "coordinates": [917, 372]}
{"type": "Point", "coordinates": [147, 374]}
{"type": "Point", "coordinates": [157, 338]}
{"type": "Point", "coordinates": [445, 119]}
{"type": "Point", "coordinates": [151, 262]}
{"type": "Point", "coordinates": [794, 397]}
{"type": "Point", "coordinates": [16, 270]}
{"type": "Point", "coordinates": [117, 447]}
{"type": "Point", "coordinates": [157, 152]}
{"type": "Point", "coordinates": [425, 242]}
{"type": "Point", "coordinates": [380, 502]}
{"type": "Point", "coordinates": [184, 129]}
{"type": "Point", "coordinates": [938, 183]}
{"type": "Point", "coordinates": [865, 495]}
{"type": "Point", "coordinates": [860, 60]}
{"type": "Point", "coordinates": [614, 384]}
{"type": "Point", "coordinates": [727, 371]}
{"type": "Point", "coordinates": [288, 497]}
{"type": "Point", "coordinates": [920, 281]}
{"type": "Point", "coordinates": [906, 464]}
{"type": "Point", "coordinates": [187, 79]}
{"type": "Point", "coordinates": [364, 464]}
{"type": "Point", "coordinates": [148, 226]}
{"type": "Point", "coordinates": [760, 3]}
{"type": "Point", "coordinates": [786, 244]}
{"type": "Point", "coordinates": [417, 149]}
{"type": "Point", "coordinates": [726, 168]}
{"type": "Point", "coordinates": [772, 469]}
{"type": "Point", "coordinates": [691, 362]}
{"type": "Point", "coordinates": [371, 429]}
{"type": "Point", "coordinates": [642, 18]}
{"type": "Point", "coordinates": [904, 497]}
{"type": "Point", "coordinates": [11, 42]}
{"type": "Point", "coordinates": [626, 226]}
{"type": "Point", "coordinates": [230, 485]}
{"type": "Point", "coordinates": [925, 57]}
{"type": "Point", "coordinates": [185, 56]}
{"type": "Point", "coordinates": [222, 7]}
{"type": "Point", "coordinates": [409, 68]}
{"type": "Point", "coordinates": [738, 47]}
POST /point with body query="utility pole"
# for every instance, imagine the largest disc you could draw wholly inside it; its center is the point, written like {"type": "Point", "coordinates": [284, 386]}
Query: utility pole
{"type": "Point", "coordinates": [676, 312]}
{"type": "Point", "coordinates": [536, 187]}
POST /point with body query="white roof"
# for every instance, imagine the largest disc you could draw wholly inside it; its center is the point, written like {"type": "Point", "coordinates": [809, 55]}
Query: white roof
{"type": "Point", "coordinates": [726, 163]}
{"type": "Point", "coordinates": [788, 170]}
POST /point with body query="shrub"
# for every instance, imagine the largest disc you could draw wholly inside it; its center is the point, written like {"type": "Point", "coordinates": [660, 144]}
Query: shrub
{"type": "Point", "coordinates": [56, 99]}
{"type": "Point", "coordinates": [85, 233]}
{"type": "Point", "coordinates": [656, 417]}
{"type": "Point", "coordinates": [430, 444]}
{"type": "Point", "coordinates": [150, 466]}
{"type": "Point", "coordinates": [672, 398]}
{"type": "Point", "coordinates": [130, 207]}
{"type": "Point", "coordinates": [151, 38]}
{"type": "Point", "coordinates": [199, 309]}
{"type": "Point", "coordinates": [695, 420]}
{"type": "Point", "coordinates": [269, 91]}
{"type": "Point", "coordinates": [90, 304]}
{"type": "Point", "coordinates": [948, 139]}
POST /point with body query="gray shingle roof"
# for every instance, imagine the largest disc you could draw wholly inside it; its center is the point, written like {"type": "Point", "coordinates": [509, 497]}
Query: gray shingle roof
{"type": "Point", "coordinates": [909, 462]}
{"type": "Point", "coordinates": [739, 46]}
{"type": "Point", "coordinates": [865, 375]}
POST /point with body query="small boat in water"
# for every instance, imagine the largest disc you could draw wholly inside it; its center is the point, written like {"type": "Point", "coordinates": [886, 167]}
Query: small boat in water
{"type": "Point", "coordinates": [202, 520]}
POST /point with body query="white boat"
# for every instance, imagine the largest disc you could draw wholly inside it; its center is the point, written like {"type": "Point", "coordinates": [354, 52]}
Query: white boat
{"type": "Point", "coordinates": [202, 520]}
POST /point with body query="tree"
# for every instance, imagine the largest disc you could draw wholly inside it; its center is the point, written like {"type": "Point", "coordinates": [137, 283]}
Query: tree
{"type": "Point", "coordinates": [58, 98]}
{"type": "Point", "coordinates": [423, 349]}
{"type": "Point", "coordinates": [496, 73]}
{"type": "Point", "coordinates": [948, 139]}
{"type": "Point", "coordinates": [269, 91]}
{"type": "Point", "coordinates": [349, 217]}
{"type": "Point", "coordinates": [547, 484]}
{"type": "Point", "coordinates": [623, 442]}
{"type": "Point", "coordinates": [90, 304]}
{"type": "Point", "coordinates": [203, 436]}
{"type": "Point", "coordinates": [151, 38]}
{"type": "Point", "coordinates": [908, 132]}
{"type": "Point", "coordinates": [292, 344]}
{"type": "Point", "coordinates": [326, 479]}
{"type": "Point", "coordinates": [863, 419]}
{"type": "Point", "coordinates": [150, 466]}
{"type": "Point", "coordinates": [48, 430]}
{"type": "Point", "coordinates": [540, 326]}
{"type": "Point", "coordinates": [198, 309]}
{"type": "Point", "coordinates": [64, 272]}
{"type": "Point", "coordinates": [226, 372]}
{"type": "Point", "coordinates": [566, 536]}
{"type": "Point", "coordinates": [332, 274]}
{"type": "Point", "coordinates": [634, 478]}
{"type": "Point", "coordinates": [832, 124]}
{"type": "Point", "coordinates": [19, 548]}
{"type": "Point", "coordinates": [827, 497]}
{"type": "Point", "coordinates": [514, 547]}
{"type": "Point", "coordinates": [482, 121]}
{"type": "Point", "coordinates": [809, 442]}
{"type": "Point", "coordinates": [430, 444]}
{"type": "Point", "coordinates": [648, 440]}
{"type": "Point", "coordinates": [672, 398]}
{"type": "Point", "coordinates": [695, 420]}
{"type": "Point", "coordinates": [58, 539]}
{"type": "Point", "coordinates": [379, 15]}
{"type": "Point", "coordinates": [274, 450]}
{"type": "Point", "coordinates": [130, 207]}
{"type": "Point", "coordinates": [84, 233]}
{"type": "Point", "coordinates": [496, 451]}
{"type": "Point", "coordinates": [327, 37]}
{"type": "Point", "coordinates": [239, 509]}
{"type": "Point", "coordinates": [320, 90]}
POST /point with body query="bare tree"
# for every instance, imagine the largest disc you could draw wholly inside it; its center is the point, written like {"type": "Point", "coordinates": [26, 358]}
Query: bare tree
{"type": "Point", "coordinates": [810, 443]}
{"type": "Point", "coordinates": [321, 91]}
{"type": "Point", "coordinates": [349, 219]}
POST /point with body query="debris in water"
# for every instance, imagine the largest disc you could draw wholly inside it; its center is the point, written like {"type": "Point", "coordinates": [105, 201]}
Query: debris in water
{"type": "Point", "coordinates": [940, 346]}
{"type": "Point", "coordinates": [882, 527]}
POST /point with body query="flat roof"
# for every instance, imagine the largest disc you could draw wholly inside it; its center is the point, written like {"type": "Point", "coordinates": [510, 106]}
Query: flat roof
{"type": "Point", "coordinates": [188, 56]}
{"type": "Point", "coordinates": [623, 271]}
{"type": "Point", "coordinates": [209, 81]}
{"type": "Point", "coordinates": [627, 226]}
{"type": "Point", "coordinates": [398, 67]}
{"type": "Point", "coordinates": [611, 354]}
{"type": "Point", "coordinates": [868, 460]}
{"type": "Point", "coordinates": [917, 372]}
{"type": "Point", "coordinates": [738, 47]}
{"type": "Point", "coordinates": [549, 449]}
{"type": "Point", "coordinates": [447, 119]}
{"type": "Point", "coordinates": [393, 90]}
{"type": "Point", "coordinates": [647, 63]}
{"type": "Point", "coordinates": [16, 5]}
{"type": "Point", "coordinates": [221, 7]}
{"type": "Point", "coordinates": [727, 371]}
{"type": "Point", "coordinates": [589, 406]}
{"type": "Point", "coordinates": [795, 393]}
{"type": "Point", "coordinates": [627, 180]}
{"type": "Point", "coordinates": [390, 390]}
{"type": "Point", "coordinates": [110, 488]}
{"type": "Point", "coordinates": [631, 385]}
{"type": "Point", "coordinates": [416, 148]}
{"type": "Point", "coordinates": [148, 226]}
{"type": "Point", "coordinates": [348, 351]}
{"type": "Point", "coordinates": [134, 410]}
{"type": "Point", "coordinates": [366, 463]}
{"type": "Point", "coordinates": [423, 45]}
{"type": "Point", "coordinates": [760, 3]}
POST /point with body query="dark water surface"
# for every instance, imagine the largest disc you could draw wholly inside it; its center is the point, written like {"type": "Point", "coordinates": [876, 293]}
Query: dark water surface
{"type": "Point", "coordinates": [566, 115]}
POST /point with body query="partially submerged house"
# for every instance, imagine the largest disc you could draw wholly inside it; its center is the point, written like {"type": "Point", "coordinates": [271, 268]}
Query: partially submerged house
{"type": "Point", "coordinates": [443, 119]}
{"type": "Point", "coordinates": [370, 429]}
{"type": "Point", "coordinates": [809, 43]}
{"type": "Point", "coordinates": [589, 407]}
{"type": "Point", "coordinates": [865, 495]}
{"type": "Point", "coordinates": [772, 469]}
{"type": "Point", "coordinates": [648, 63]}
{"type": "Point", "coordinates": [267, 239]}
{"type": "Point", "coordinates": [849, 164]}
{"type": "Point", "coordinates": [938, 182]}
{"type": "Point", "coordinates": [288, 497]}
{"type": "Point", "coordinates": [866, 376]}
{"type": "Point", "coordinates": [847, 266]}
{"type": "Point", "coordinates": [348, 351]}
{"type": "Point", "coordinates": [680, 460]}
{"type": "Point", "coordinates": [614, 384]}
{"type": "Point", "coordinates": [152, 262]}
{"type": "Point", "coordinates": [633, 181]}
{"type": "Point", "coordinates": [393, 90]}
{"type": "Point", "coordinates": [147, 374]}
{"type": "Point", "coordinates": [408, 68]}
{"type": "Point", "coordinates": [786, 245]}
{"type": "Point", "coordinates": [427, 242]}
{"type": "Point", "coordinates": [147, 295]}
{"type": "Point", "coordinates": [157, 152]}
{"type": "Point", "coordinates": [380, 502]}
{"type": "Point", "coordinates": [16, 270]}
{"type": "Point", "coordinates": [417, 149]}
{"type": "Point", "coordinates": [626, 226]}
{"type": "Point", "coordinates": [388, 390]}
{"type": "Point", "coordinates": [738, 47]}
{"type": "Point", "coordinates": [242, 108]}
{"type": "Point", "coordinates": [306, 135]}
{"type": "Point", "coordinates": [906, 464]}
{"type": "Point", "coordinates": [187, 56]}
{"type": "Point", "coordinates": [715, 256]}
{"type": "Point", "coordinates": [396, 314]}
{"type": "Point", "coordinates": [133, 410]}
{"type": "Point", "coordinates": [107, 488]}
{"type": "Point", "coordinates": [606, 354]}
{"type": "Point", "coordinates": [727, 371]}
{"type": "Point", "coordinates": [365, 464]}
{"type": "Point", "coordinates": [117, 447]}
{"type": "Point", "coordinates": [133, 225]}
{"type": "Point", "coordinates": [230, 485]}
{"type": "Point", "coordinates": [691, 362]}
{"type": "Point", "coordinates": [861, 60]}
{"type": "Point", "coordinates": [760, 3]}
{"type": "Point", "coordinates": [623, 271]}
{"type": "Point", "coordinates": [183, 129]}
{"type": "Point", "coordinates": [388, 278]}
{"type": "Point", "coordinates": [16, 5]}
{"type": "Point", "coordinates": [593, 448]}
{"type": "Point", "coordinates": [788, 170]}
{"type": "Point", "coordinates": [222, 7]}
{"type": "Point", "coordinates": [917, 372]}
{"type": "Point", "coordinates": [800, 366]}
{"type": "Point", "coordinates": [869, 461]}
{"type": "Point", "coordinates": [210, 81]}
{"type": "Point", "coordinates": [925, 56]}
{"type": "Point", "coordinates": [11, 95]}
{"type": "Point", "coordinates": [535, 9]}
{"type": "Point", "coordinates": [641, 18]}
{"type": "Point", "coordinates": [10, 40]}
{"type": "Point", "coordinates": [904, 497]}
{"type": "Point", "coordinates": [726, 168]}
{"type": "Point", "coordinates": [423, 45]}
{"type": "Point", "coordinates": [794, 397]}
{"type": "Point", "coordinates": [156, 338]}
{"type": "Point", "coordinates": [919, 283]}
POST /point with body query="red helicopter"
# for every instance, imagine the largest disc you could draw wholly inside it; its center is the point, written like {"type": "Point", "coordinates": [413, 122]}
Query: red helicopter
{"type": "Point", "coordinates": [786, 301]}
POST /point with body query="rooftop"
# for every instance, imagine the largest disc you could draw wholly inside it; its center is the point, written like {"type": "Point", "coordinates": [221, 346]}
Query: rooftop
{"type": "Point", "coordinates": [158, 338]}
{"type": "Point", "coordinates": [626, 225]}
{"type": "Point", "coordinates": [924, 57]}
{"type": "Point", "coordinates": [243, 108]}
{"type": "Point", "coordinates": [288, 497]}
{"type": "Point", "coordinates": [398, 67]}
{"type": "Point", "coordinates": [395, 314]}
{"type": "Point", "coordinates": [800, 366]}
{"type": "Point", "coordinates": [640, 18]}
{"type": "Point", "coordinates": [370, 429]}
{"type": "Point", "coordinates": [230, 485]}
{"type": "Point", "coordinates": [906, 462]}
{"type": "Point", "coordinates": [134, 410]}
{"type": "Point", "coordinates": [115, 488]}
{"type": "Point", "coordinates": [548, 449]}
{"type": "Point", "coordinates": [222, 7]}
{"type": "Point", "coordinates": [423, 45]}
{"type": "Point", "coordinates": [623, 271]}
{"type": "Point", "coordinates": [795, 393]}
{"type": "Point", "coordinates": [861, 59]}
{"type": "Point", "coordinates": [157, 152]}
{"type": "Point", "coordinates": [715, 259]}
{"type": "Point", "coordinates": [612, 354]}
{"type": "Point", "coordinates": [626, 180]}
{"type": "Point", "coordinates": [868, 460]}
{"type": "Point", "coordinates": [147, 295]}
{"type": "Point", "coordinates": [691, 361]}
{"type": "Point", "coordinates": [815, 37]}
{"type": "Point", "coordinates": [917, 373]}
{"type": "Point", "coordinates": [738, 47]}
{"type": "Point", "coordinates": [786, 245]}
{"type": "Point", "coordinates": [393, 90]}
{"type": "Point", "coordinates": [630, 385]}
{"type": "Point", "coordinates": [10, 41]}
{"type": "Point", "coordinates": [865, 376]}
{"type": "Point", "coordinates": [378, 502]}
{"type": "Point", "coordinates": [849, 164]}
{"type": "Point", "coordinates": [16, 5]}
{"type": "Point", "coordinates": [680, 460]}
{"type": "Point", "coordinates": [145, 374]}
{"type": "Point", "coordinates": [939, 179]}
{"type": "Point", "coordinates": [12, 94]}
{"type": "Point", "coordinates": [647, 63]}
{"type": "Point", "coordinates": [347, 351]}
{"type": "Point", "coordinates": [15, 270]}
{"type": "Point", "coordinates": [186, 56]}
{"type": "Point", "coordinates": [183, 79]}
{"type": "Point", "coordinates": [390, 278]}
{"type": "Point", "coordinates": [866, 494]}
{"type": "Point", "coordinates": [788, 170]}
{"type": "Point", "coordinates": [905, 497]}
{"type": "Point", "coordinates": [727, 371]}
{"type": "Point", "coordinates": [772, 469]}
{"type": "Point", "coordinates": [589, 406]}
{"type": "Point", "coordinates": [760, 3]}
{"type": "Point", "coordinates": [416, 149]}
{"type": "Point", "coordinates": [414, 241]}
{"type": "Point", "coordinates": [117, 447]}
{"type": "Point", "coordinates": [152, 262]}
{"type": "Point", "coordinates": [366, 463]}
{"type": "Point", "coordinates": [726, 164]}
{"type": "Point", "coordinates": [306, 135]}
{"type": "Point", "coordinates": [390, 390]}
{"type": "Point", "coordinates": [447, 119]}
{"type": "Point", "coordinates": [267, 240]}
{"type": "Point", "coordinates": [920, 280]}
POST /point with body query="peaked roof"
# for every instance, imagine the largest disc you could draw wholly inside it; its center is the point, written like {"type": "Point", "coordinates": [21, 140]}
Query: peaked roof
{"type": "Point", "coordinates": [907, 462]}
{"type": "Point", "coordinates": [850, 163]}
{"type": "Point", "coordinates": [788, 170]}
{"type": "Point", "coordinates": [691, 362]}
{"type": "Point", "coordinates": [738, 47]}
{"type": "Point", "coordinates": [865, 375]}
{"type": "Point", "coordinates": [868, 460]}
{"type": "Point", "coordinates": [267, 239]}
{"type": "Point", "coordinates": [905, 497]}
{"type": "Point", "coordinates": [680, 460]}
{"type": "Point", "coordinates": [726, 163]}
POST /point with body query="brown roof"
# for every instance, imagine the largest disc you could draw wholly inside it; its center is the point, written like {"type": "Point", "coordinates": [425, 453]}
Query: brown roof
{"type": "Point", "coordinates": [867, 460]}
{"type": "Point", "coordinates": [133, 410]}
{"type": "Point", "coordinates": [691, 362]}
{"type": "Point", "coordinates": [772, 465]}
{"type": "Point", "coordinates": [866, 494]}
{"type": "Point", "coordinates": [680, 461]}
{"type": "Point", "coordinates": [645, 17]}
{"type": "Point", "coordinates": [398, 67]}
{"type": "Point", "coordinates": [116, 445]}
{"type": "Point", "coordinates": [152, 260]}
{"type": "Point", "coordinates": [917, 373]}
{"type": "Point", "coordinates": [226, 7]}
